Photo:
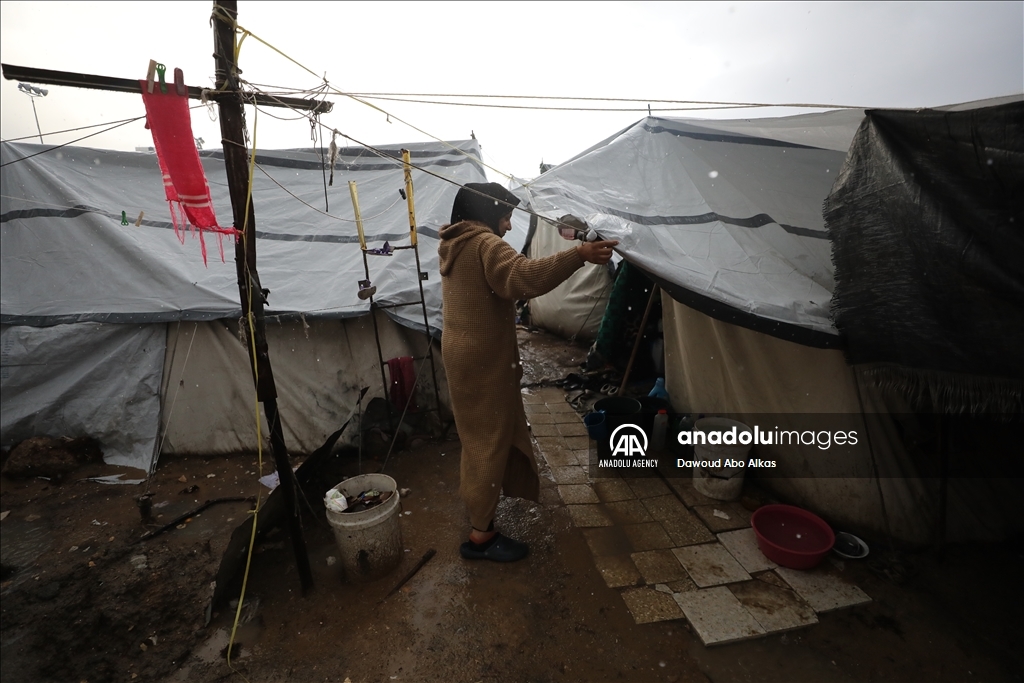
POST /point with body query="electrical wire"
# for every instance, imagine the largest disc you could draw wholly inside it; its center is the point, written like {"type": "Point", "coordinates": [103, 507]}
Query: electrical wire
{"type": "Point", "coordinates": [615, 99]}
{"type": "Point", "coordinates": [397, 162]}
{"type": "Point", "coordinates": [70, 130]}
{"type": "Point", "coordinates": [117, 124]}
{"type": "Point", "coordinates": [576, 109]}
{"type": "Point", "coordinates": [329, 215]}
{"type": "Point", "coordinates": [51, 149]}
{"type": "Point", "coordinates": [222, 15]}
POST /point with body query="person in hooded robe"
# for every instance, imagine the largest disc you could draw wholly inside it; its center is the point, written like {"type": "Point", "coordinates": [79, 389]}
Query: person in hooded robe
{"type": "Point", "coordinates": [481, 279]}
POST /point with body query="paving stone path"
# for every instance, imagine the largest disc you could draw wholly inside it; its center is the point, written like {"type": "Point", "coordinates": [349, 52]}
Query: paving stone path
{"type": "Point", "coordinates": [674, 553]}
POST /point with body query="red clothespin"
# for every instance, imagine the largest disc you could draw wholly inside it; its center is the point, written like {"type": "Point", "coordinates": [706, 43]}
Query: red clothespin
{"type": "Point", "coordinates": [179, 83]}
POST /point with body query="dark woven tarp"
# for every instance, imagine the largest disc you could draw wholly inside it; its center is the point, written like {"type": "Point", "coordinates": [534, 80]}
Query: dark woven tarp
{"type": "Point", "coordinates": [927, 227]}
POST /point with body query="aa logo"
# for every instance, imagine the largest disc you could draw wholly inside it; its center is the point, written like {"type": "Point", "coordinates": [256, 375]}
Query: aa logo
{"type": "Point", "coordinates": [628, 440]}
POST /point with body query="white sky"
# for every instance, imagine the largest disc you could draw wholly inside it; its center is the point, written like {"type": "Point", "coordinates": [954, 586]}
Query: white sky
{"type": "Point", "coordinates": [865, 54]}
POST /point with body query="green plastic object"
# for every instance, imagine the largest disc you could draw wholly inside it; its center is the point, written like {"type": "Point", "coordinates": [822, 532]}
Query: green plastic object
{"type": "Point", "coordinates": [160, 71]}
{"type": "Point", "coordinates": [124, 218]}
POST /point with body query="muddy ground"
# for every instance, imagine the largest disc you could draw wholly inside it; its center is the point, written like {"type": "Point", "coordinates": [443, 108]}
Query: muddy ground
{"type": "Point", "coordinates": [84, 600]}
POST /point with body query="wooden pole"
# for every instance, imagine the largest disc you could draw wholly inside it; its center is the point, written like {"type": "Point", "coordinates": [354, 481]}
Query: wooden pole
{"type": "Point", "coordinates": [354, 192]}
{"type": "Point", "coordinates": [407, 167]}
{"type": "Point", "coordinates": [251, 293]}
{"type": "Point", "coordinates": [639, 336]}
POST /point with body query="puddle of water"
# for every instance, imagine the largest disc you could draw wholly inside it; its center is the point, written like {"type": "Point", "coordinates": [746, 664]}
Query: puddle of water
{"type": "Point", "coordinates": [21, 543]}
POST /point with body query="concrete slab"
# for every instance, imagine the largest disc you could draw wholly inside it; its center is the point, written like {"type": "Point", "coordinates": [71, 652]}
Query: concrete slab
{"type": "Point", "coordinates": [560, 458]}
{"type": "Point", "coordinates": [649, 536]}
{"type": "Point", "coordinates": [561, 406]}
{"type": "Point", "coordinates": [577, 494]}
{"type": "Point", "coordinates": [665, 507]}
{"type": "Point", "coordinates": [773, 579]}
{"type": "Point", "coordinates": [577, 443]}
{"type": "Point", "coordinates": [573, 428]}
{"type": "Point", "coordinates": [736, 516]}
{"type": "Point", "coordinates": [551, 394]}
{"type": "Point", "coordinates": [540, 430]}
{"type": "Point", "coordinates": [658, 566]}
{"type": "Point", "coordinates": [583, 458]}
{"type": "Point", "coordinates": [612, 490]}
{"type": "Point", "coordinates": [710, 564]}
{"type": "Point", "coordinates": [608, 541]}
{"type": "Point", "coordinates": [589, 516]}
{"type": "Point", "coordinates": [569, 475]}
{"type": "Point", "coordinates": [628, 512]}
{"type": "Point", "coordinates": [549, 497]}
{"type": "Point", "coordinates": [823, 590]}
{"type": "Point", "coordinates": [688, 530]}
{"type": "Point", "coordinates": [742, 544]}
{"type": "Point", "coordinates": [567, 417]}
{"type": "Point", "coordinates": [532, 397]}
{"type": "Point", "coordinates": [682, 585]}
{"type": "Point", "coordinates": [717, 616]}
{"type": "Point", "coordinates": [691, 496]}
{"type": "Point", "coordinates": [776, 609]}
{"type": "Point", "coordinates": [648, 605]}
{"type": "Point", "coordinates": [540, 418]}
{"type": "Point", "coordinates": [618, 571]}
{"type": "Point", "coordinates": [551, 444]}
{"type": "Point", "coordinates": [647, 487]}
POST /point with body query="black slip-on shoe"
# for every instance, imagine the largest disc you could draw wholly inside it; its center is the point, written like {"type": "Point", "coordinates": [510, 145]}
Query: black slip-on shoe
{"type": "Point", "coordinates": [503, 549]}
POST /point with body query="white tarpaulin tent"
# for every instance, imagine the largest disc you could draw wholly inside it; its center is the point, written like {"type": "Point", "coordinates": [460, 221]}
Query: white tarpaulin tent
{"type": "Point", "coordinates": [726, 216]}
{"type": "Point", "coordinates": [94, 311]}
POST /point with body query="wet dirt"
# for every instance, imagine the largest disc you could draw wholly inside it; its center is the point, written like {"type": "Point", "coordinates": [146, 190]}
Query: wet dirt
{"type": "Point", "coordinates": [83, 604]}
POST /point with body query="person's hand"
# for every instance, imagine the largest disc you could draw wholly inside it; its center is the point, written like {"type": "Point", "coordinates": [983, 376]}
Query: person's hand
{"type": "Point", "coordinates": [596, 252]}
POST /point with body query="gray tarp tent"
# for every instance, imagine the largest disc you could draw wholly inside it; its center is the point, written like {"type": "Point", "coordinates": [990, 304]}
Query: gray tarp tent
{"type": "Point", "coordinates": [727, 217]}
{"type": "Point", "coordinates": [122, 333]}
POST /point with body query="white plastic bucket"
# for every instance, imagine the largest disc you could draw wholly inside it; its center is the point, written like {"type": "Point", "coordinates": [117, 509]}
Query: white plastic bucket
{"type": "Point", "coordinates": [721, 482]}
{"type": "Point", "coordinates": [370, 542]}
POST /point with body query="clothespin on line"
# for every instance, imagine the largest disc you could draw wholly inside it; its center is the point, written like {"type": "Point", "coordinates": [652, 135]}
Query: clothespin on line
{"type": "Point", "coordinates": [179, 83]}
{"type": "Point", "coordinates": [359, 217]}
{"type": "Point", "coordinates": [138, 221]}
{"type": "Point", "coordinates": [155, 68]}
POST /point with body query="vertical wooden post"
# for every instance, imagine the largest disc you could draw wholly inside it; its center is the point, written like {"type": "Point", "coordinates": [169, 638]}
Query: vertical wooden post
{"type": "Point", "coordinates": [420, 275]}
{"type": "Point", "coordinates": [407, 167]}
{"type": "Point", "coordinates": [354, 192]}
{"type": "Point", "coordinates": [250, 291]}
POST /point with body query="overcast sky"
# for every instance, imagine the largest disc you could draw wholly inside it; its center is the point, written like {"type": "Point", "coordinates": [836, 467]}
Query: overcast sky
{"type": "Point", "coordinates": [865, 54]}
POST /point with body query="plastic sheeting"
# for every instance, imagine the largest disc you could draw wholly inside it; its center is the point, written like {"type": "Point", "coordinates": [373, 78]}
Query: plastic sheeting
{"type": "Point", "coordinates": [573, 309]}
{"type": "Point", "coordinates": [725, 215]}
{"type": "Point", "coordinates": [713, 367]}
{"type": "Point", "coordinates": [69, 267]}
{"type": "Point", "coordinates": [209, 398]}
{"type": "Point", "coordinates": [927, 223]}
{"type": "Point", "coordinates": [67, 257]}
{"type": "Point", "coordinates": [88, 379]}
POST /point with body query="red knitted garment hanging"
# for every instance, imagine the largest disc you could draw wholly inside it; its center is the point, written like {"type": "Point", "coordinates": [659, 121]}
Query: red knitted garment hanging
{"type": "Point", "coordinates": [403, 382]}
{"type": "Point", "coordinates": [167, 116]}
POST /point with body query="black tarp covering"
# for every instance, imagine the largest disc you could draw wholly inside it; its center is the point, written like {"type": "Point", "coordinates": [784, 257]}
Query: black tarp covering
{"type": "Point", "coordinates": [927, 227]}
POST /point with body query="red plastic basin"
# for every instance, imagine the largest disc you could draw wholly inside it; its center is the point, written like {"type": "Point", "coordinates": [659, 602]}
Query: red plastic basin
{"type": "Point", "coordinates": [791, 536]}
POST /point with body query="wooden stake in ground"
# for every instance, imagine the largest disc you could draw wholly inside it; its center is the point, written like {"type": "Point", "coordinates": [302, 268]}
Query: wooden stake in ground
{"type": "Point", "coordinates": [639, 335]}
{"type": "Point", "coordinates": [251, 293]}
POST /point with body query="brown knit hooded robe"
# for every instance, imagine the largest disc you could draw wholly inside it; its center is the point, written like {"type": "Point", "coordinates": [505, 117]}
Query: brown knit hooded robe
{"type": "Point", "coordinates": [481, 278]}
